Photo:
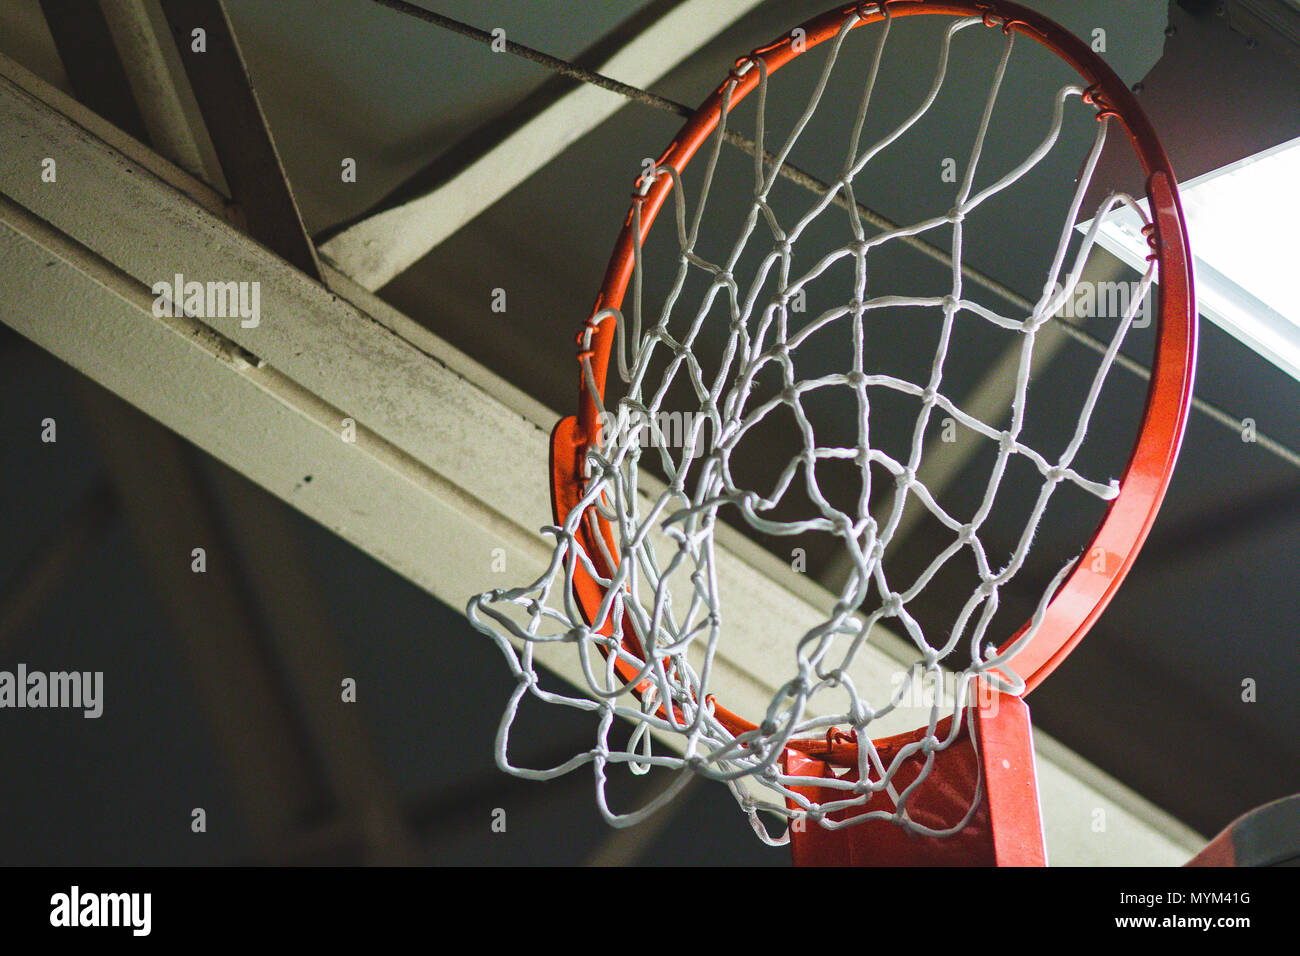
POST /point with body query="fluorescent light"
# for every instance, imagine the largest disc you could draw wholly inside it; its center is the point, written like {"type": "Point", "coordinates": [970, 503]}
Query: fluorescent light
{"type": "Point", "coordinates": [1244, 225]}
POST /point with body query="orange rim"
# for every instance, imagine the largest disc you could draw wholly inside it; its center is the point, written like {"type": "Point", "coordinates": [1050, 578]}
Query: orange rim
{"type": "Point", "coordinates": [1086, 591]}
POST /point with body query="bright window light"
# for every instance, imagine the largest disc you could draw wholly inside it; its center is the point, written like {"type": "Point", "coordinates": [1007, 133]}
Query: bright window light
{"type": "Point", "coordinates": [1244, 225]}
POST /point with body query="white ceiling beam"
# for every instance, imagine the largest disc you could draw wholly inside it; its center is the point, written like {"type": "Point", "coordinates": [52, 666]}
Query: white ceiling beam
{"type": "Point", "coordinates": [160, 87]}
{"type": "Point", "coordinates": [374, 251]}
{"type": "Point", "coordinates": [449, 462]}
{"type": "Point", "coordinates": [36, 90]}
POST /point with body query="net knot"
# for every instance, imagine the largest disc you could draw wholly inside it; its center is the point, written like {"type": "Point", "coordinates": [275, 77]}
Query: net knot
{"type": "Point", "coordinates": [1055, 474]}
{"type": "Point", "coordinates": [956, 214]}
{"type": "Point", "coordinates": [1006, 441]}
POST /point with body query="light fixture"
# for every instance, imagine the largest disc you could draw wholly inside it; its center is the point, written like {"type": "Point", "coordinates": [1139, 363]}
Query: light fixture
{"type": "Point", "coordinates": [1243, 222]}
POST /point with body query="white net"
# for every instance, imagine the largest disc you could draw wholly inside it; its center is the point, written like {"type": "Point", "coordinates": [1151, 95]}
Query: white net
{"type": "Point", "coordinates": [656, 633]}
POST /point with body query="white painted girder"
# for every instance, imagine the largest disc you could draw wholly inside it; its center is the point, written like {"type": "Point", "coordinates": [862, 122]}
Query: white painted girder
{"type": "Point", "coordinates": [374, 251]}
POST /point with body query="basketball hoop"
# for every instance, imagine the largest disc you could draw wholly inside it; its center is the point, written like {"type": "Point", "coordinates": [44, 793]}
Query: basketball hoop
{"type": "Point", "coordinates": [631, 584]}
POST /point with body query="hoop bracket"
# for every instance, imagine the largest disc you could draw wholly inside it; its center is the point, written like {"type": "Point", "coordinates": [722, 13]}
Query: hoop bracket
{"type": "Point", "coordinates": [996, 768]}
{"type": "Point", "coordinates": [1096, 96]}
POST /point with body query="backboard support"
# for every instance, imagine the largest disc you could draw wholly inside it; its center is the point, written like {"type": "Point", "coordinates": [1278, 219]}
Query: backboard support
{"type": "Point", "coordinates": [992, 771]}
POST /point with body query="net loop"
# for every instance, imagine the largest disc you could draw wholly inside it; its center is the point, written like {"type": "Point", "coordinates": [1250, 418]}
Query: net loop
{"type": "Point", "coordinates": [1095, 96]}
